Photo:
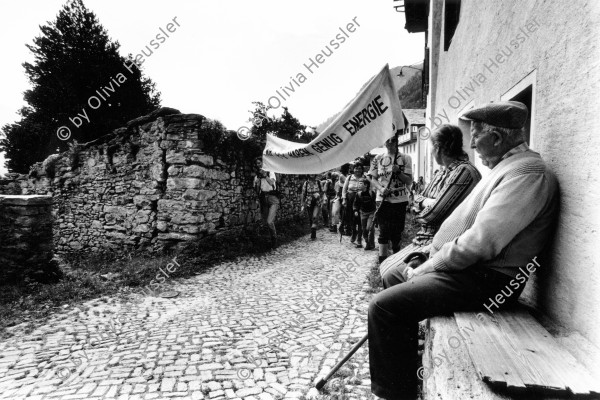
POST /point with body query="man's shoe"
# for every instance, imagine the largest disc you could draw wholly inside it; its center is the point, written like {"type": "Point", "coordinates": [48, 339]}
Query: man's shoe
{"type": "Point", "coordinates": [313, 233]}
{"type": "Point", "coordinates": [273, 242]}
{"type": "Point", "coordinates": [369, 247]}
{"type": "Point", "coordinates": [382, 259]}
{"type": "Point", "coordinates": [359, 245]}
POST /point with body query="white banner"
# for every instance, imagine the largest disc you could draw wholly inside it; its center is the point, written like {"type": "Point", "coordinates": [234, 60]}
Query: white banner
{"type": "Point", "coordinates": [366, 123]}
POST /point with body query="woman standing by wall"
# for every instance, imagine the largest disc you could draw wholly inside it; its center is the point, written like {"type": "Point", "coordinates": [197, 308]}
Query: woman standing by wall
{"type": "Point", "coordinates": [312, 199]}
{"type": "Point", "coordinates": [351, 189]}
{"type": "Point", "coordinates": [265, 185]}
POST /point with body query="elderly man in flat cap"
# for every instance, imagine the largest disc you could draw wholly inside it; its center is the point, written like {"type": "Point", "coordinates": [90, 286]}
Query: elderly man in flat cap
{"type": "Point", "coordinates": [502, 225]}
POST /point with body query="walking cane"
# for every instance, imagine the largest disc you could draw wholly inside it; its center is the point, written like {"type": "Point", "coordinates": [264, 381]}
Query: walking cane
{"type": "Point", "coordinates": [321, 382]}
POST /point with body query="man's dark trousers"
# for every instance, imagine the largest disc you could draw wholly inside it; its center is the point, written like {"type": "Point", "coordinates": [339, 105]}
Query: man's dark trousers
{"type": "Point", "coordinates": [395, 312]}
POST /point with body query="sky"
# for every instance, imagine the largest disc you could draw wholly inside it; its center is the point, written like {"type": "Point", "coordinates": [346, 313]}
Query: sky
{"type": "Point", "coordinates": [224, 55]}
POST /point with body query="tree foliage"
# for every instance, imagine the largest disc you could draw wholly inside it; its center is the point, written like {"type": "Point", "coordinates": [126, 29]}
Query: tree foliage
{"type": "Point", "coordinates": [285, 126]}
{"type": "Point", "coordinates": [411, 93]}
{"type": "Point", "coordinates": [74, 59]}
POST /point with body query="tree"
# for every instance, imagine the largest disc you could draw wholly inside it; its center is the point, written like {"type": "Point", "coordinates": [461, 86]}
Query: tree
{"type": "Point", "coordinates": [79, 81]}
{"type": "Point", "coordinates": [286, 126]}
{"type": "Point", "coordinates": [411, 93]}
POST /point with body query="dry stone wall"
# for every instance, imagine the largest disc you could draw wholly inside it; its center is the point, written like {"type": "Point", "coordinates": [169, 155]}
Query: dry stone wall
{"type": "Point", "coordinates": [25, 236]}
{"type": "Point", "coordinates": [150, 185]}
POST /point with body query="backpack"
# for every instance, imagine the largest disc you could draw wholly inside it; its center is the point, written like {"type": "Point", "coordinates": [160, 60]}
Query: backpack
{"type": "Point", "coordinates": [330, 189]}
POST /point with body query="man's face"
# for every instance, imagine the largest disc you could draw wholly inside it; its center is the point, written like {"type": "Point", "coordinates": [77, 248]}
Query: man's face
{"type": "Point", "coordinates": [391, 144]}
{"type": "Point", "coordinates": [484, 144]}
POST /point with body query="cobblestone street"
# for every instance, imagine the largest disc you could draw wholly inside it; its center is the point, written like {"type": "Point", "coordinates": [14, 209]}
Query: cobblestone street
{"type": "Point", "coordinates": [260, 328]}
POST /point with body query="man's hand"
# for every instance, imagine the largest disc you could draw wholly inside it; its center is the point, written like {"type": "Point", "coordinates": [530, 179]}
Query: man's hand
{"type": "Point", "coordinates": [422, 269]}
{"type": "Point", "coordinates": [356, 213]}
{"type": "Point", "coordinates": [344, 202]}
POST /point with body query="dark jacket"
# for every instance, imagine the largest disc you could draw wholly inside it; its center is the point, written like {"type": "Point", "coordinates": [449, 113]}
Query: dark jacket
{"type": "Point", "coordinates": [364, 201]}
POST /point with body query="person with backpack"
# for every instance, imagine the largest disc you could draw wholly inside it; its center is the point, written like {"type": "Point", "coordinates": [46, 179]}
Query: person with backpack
{"type": "Point", "coordinates": [265, 185]}
{"type": "Point", "coordinates": [364, 207]}
{"type": "Point", "coordinates": [312, 199]}
{"type": "Point", "coordinates": [344, 171]}
{"type": "Point", "coordinates": [348, 195]}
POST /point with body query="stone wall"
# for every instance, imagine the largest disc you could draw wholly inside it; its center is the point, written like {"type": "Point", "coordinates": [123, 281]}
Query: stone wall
{"type": "Point", "coordinates": [153, 184]}
{"type": "Point", "coordinates": [25, 236]}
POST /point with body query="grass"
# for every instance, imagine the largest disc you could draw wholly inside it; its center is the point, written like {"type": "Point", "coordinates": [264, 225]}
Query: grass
{"type": "Point", "coordinates": [31, 303]}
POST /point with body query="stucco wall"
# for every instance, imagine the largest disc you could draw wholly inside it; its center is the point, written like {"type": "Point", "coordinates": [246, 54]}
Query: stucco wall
{"type": "Point", "coordinates": [565, 54]}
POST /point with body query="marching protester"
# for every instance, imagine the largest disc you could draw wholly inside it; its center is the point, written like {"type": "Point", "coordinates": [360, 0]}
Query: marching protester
{"type": "Point", "coordinates": [328, 187]}
{"type": "Point", "coordinates": [312, 198]}
{"type": "Point", "coordinates": [390, 175]}
{"type": "Point", "coordinates": [336, 207]}
{"type": "Point", "coordinates": [331, 193]}
{"type": "Point", "coordinates": [441, 196]}
{"type": "Point", "coordinates": [344, 171]}
{"type": "Point", "coordinates": [348, 195]}
{"type": "Point", "coordinates": [265, 185]}
{"type": "Point", "coordinates": [501, 225]}
{"type": "Point", "coordinates": [364, 207]}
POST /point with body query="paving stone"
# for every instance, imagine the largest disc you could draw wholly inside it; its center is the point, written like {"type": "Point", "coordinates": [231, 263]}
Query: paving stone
{"type": "Point", "coordinates": [244, 330]}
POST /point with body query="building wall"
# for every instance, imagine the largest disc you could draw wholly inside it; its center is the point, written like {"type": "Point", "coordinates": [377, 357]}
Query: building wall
{"type": "Point", "coordinates": [419, 151]}
{"type": "Point", "coordinates": [151, 185]}
{"type": "Point", "coordinates": [563, 55]}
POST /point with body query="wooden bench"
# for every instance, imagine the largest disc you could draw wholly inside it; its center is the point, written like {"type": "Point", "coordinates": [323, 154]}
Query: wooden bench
{"type": "Point", "coordinates": [507, 355]}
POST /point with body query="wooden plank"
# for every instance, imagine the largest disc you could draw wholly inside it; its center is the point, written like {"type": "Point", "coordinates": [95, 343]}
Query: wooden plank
{"type": "Point", "coordinates": [489, 355]}
{"type": "Point", "coordinates": [530, 363]}
{"type": "Point", "coordinates": [512, 349]}
{"type": "Point", "coordinates": [584, 351]}
{"type": "Point", "coordinates": [456, 377]}
{"type": "Point", "coordinates": [542, 351]}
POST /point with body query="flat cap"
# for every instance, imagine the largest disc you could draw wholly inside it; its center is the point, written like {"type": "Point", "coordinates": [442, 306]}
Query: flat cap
{"type": "Point", "coordinates": [504, 114]}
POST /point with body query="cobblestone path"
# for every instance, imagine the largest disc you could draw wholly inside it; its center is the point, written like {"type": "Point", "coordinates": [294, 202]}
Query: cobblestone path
{"type": "Point", "coordinates": [260, 328]}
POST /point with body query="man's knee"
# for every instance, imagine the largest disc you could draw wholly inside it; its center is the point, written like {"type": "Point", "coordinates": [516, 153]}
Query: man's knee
{"type": "Point", "coordinates": [387, 306]}
{"type": "Point", "coordinates": [392, 276]}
